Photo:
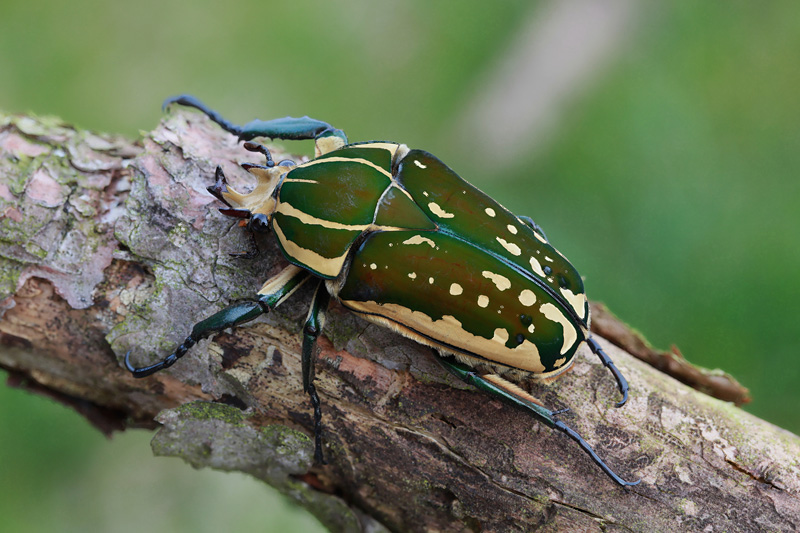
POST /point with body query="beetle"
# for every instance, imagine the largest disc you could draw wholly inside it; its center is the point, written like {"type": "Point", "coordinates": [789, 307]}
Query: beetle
{"type": "Point", "coordinates": [401, 240]}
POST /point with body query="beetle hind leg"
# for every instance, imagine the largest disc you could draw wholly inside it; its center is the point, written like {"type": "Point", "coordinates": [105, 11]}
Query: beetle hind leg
{"type": "Point", "coordinates": [622, 383]}
{"type": "Point", "coordinates": [511, 393]}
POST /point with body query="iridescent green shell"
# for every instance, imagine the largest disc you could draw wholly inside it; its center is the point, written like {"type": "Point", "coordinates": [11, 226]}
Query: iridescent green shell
{"type": "Point", "coordinates": [417, 248]}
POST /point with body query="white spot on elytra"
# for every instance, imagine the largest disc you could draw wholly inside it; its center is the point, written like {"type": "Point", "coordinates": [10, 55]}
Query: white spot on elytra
{"type": "Point", "coordinates": [413, 275]}
{"type": "Point", "coordinates": [510, 246]}
{"type": "Point", "coordinates": [551, 312]}
{"type": "Point", "coordinates": [548, 259]}
{"type": "Point", "coordinates": [512, 229]}
{"type": "Point", "coordinates": [527, 298]}
{"type": "Point", "coordinates": [483, 301]}
{"type": "Point", "coordinates": [456, 289]}
{"type": "Point", "coordinates": [577, 301]}
{"type": "Point", "coordinates": [373, 266]}
{"type": "Point", "coordinates": [500, 335]}
{"type": "Point", "coordinates": [437, 210]}
{"type": "Point", "coordinates": [425, 193]}
{"type": "Point", "coordinates": [537, 267]}
{"type": "Point", "coordinates": [501, 282]}
{"type": "Point", "coordinates": [530, 328]}
{"type": "Point", "coordinates": [490, 211]}
{"type": "Point", "coordinates": [420, 165]}
{"type": "Point", "coordinates": [430, 280]}
{"type": "Point", "coordinates": [419, 239]}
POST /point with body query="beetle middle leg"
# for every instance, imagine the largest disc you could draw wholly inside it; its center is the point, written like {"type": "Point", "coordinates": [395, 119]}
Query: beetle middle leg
{"type": "Point", "coordinates": [272, 294]}
{"type": "Point", "coordinates": [312, 329]}
{"type": "Point", "coordinates": [511, 393]}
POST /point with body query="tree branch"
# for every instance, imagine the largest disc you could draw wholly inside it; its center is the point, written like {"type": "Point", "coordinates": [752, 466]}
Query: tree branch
{"type": "Point", "coordinates": [107, 245]}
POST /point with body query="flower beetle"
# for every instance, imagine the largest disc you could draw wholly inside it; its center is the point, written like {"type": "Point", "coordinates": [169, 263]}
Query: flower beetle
{"type": "Point", "coordinates": [401, 240]}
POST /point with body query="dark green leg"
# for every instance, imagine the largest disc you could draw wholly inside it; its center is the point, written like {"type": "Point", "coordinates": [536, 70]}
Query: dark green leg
{"type": "Point", "coordinates": [622, 383]}
{"type": "Point", "coordinates": [315, 321]}
{"type": "Point", "coordinates": [496, 388]}
{"type": "Point", "coordinates": [281, 286]}
{"type": "Point", "coordinates": [288, 128]}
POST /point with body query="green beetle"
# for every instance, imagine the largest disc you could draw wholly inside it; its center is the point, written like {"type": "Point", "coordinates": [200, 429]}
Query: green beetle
{"type": "Point", "coordinates": [402, 241]}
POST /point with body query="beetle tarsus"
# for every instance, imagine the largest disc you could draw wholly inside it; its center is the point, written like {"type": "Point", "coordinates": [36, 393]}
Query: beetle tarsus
{"type": "Point", "coordinates": [561, 426]}
{"type": "Point", "coordinates": [142, 372]}
{"type": "Point", "coordinates": [190, 101]}
{"type": "Point", "coordinates": [622, 383]}
{"type": "Point", "coordinates": [319, 457]}
{"type": "Point", "coordinates": [260, 149]}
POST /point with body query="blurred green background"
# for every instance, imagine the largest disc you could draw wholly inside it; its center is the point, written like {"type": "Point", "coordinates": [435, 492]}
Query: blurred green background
{"type": "Point", "coordinates": [656, 144]}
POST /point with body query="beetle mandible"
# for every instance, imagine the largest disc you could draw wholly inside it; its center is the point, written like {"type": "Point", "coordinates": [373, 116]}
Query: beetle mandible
{"type": "Point", "coordinates": [500, 303]}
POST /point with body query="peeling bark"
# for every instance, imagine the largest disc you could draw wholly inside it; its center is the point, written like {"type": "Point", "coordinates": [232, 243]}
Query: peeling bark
{"type": "Point", "coordinates": [108, 245]}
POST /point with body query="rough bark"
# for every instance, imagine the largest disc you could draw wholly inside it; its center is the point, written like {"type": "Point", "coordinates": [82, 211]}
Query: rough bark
{"type": "Point", "coordinates": [108, 245]}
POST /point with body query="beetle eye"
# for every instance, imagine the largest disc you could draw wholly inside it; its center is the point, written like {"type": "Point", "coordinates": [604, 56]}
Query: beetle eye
{"type": "Point", "coordinates": [259, 222]}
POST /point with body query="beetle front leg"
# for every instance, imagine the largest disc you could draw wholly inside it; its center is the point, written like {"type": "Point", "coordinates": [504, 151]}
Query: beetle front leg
{"type": "Point", "coordinates": [326, 137]}
{"type": "Point", "coordinates": [622, 383]}
{"type": "Point", "coordinates": [274, 291]}
{"type": "Point", "coordinates": [312, 329]}
{"type": "Point", "coordinates": [511, 393]}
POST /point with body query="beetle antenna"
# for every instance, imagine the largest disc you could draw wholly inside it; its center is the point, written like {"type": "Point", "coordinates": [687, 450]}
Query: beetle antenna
{"type": "Point", "coordinates": [561, 426]}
